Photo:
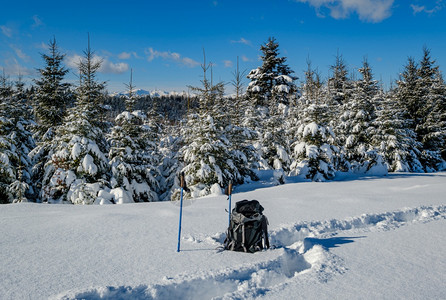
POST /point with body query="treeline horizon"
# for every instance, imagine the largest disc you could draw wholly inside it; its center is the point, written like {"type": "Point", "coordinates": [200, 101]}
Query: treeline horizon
{"type": "Point", "coordinates": [75, 144]}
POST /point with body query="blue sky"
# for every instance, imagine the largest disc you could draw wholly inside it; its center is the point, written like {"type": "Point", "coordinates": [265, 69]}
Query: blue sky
{"type": "Point", "coordinates": [163, 41]}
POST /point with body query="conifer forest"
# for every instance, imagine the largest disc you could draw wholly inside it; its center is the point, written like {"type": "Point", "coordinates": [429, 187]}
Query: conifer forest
{"type": "Point", "coordinates": [66, 143]}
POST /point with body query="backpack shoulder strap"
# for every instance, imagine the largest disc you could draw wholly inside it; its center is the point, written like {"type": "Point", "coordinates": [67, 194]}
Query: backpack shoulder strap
{"type": "Point", "coordinates": [265, 231]}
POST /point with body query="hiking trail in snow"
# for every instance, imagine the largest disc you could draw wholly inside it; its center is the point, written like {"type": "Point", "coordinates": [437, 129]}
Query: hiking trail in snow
{"type": "Point", "coordinates": [302, 254]}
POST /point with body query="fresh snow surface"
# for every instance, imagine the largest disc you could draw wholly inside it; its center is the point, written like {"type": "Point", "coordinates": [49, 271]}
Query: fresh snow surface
{"type": "Point", "coordinates": [355, 238]}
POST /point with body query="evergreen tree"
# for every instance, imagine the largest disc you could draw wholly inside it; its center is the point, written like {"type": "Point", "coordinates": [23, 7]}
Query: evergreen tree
{"type": "Point", "coordinates": [20, 91]}
{"type": "Point", "coordinates": [430, 122]}
{"type": "Point", "coordinates": [314, 153]}
{"type": "Point", "coordinates": [238, 105]}
{"type": "Point", "coordinates": [394, 138]}
{"type": "Point", "coordinates": [420, 90]}
{"type": "Point", "coordinates": [271, 90]}
{"type": "Point", "coordinates": [239, 134]}
{"type": "Point", "coordinates": [5, 86]}
{"type": "Point", "coordinates": [339, 86]}
{"type": "Point", "coordinates": [50, 100]}
{"type": "Point", "coordinates": [433, 129]}
{"type": "Point", "coordinates": [132, 153]}
{"type": "Point", "coordinates": [312, 87]}
{"type": "Point", "coordinates": [170, 163]}
{"type": "Point", "coordinates": [356, 130]}
{"type": "Point", "coordinates": [407, 92]}
{"type": "Point", "coordinates": [9, 160]}
{"type": "Point", "coordinates": [208, 153]}
{"type": "Point", "coordinates": [78, 169]}
{"type": "Point", "coordinates": [273, 81]}
{"type": "Point", "coordinates": [273, 143]}
{"type": "Point", "coordinates": [52, 94]}
{"type": "Point", "coordinates": [207, 156]}
{"type": "Point", "coordinates": [428, 84]}
{"type": "Point", "coordinates": [15, 144]}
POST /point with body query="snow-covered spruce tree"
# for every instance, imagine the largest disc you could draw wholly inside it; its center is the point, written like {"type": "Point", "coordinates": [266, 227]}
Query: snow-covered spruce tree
{"type": "Point", "coordinates": [433, 129]}
{"type": "Point", "coordinates": [355, 131]}
{"type": "Point", "coordinates": [9, 158]}
{"type": "Point", "coordinates": [22, 118]}
{"type": "Point", "coordinates": [52, 94]}
{"type": "Point", "coordinates": [78, 170]}
{"type": "Point", "coordinates": [314, 153]}
{"type": "Point", "coordinates": [15, 144]}
{"type": "Point", "coordinates": [407, 92]}
{"type": "Point", "coordinates": [5, 86]}
{"type": "Point", "coordinates": [313, 91]}
{"type": "Point", "coordinates": [50, 100]}
{"type": "Point", "coordinates": [273, 144]}
{"type": "Point", "coordinates": [273, 81]}
{"type": "Point", "coordinates": [240, 136]}
{"type": "Point", "coordinates": [313, 150]}
{"type": "Point", "coordinates": [207, 153]}
{"type": "Point", "coordinates": [271, 90]}
{"type": "Point", "coordinates": [238, 104]}
{"type": "Point", "coordinates": [132, 153]}
{"type": "Point", "coordinates": [170, 165]}
{"type": "Point", "coordinates": [8, 153]}
{"type": "Point", "coordinates": [418, 85]}
{"type": "Point", "coordinates": [394, 139]}
{"type": "Point", "coordinates": [430, 122]}
{"type": "Point", "coordinates": [339, 85]}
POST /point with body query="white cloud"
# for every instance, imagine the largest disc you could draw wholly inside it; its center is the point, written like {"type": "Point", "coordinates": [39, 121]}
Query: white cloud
{"type": "Point", "coordinates": [244, 58]}
{"type": "Point", "coordinates": [242, 41]}
{"type": "Point", "coordinates": [20, 54]}
{"type": "Point", "coordinates": [125, 55]}
{"type": "Point", "coordinates": [6, 30]}
{"type": "Point", "coordinates": [113, 68]}
{"type": "Point", "coordinates": [416, 8]}
{"type": "Point", "coordinates": [42, 46]}
{"type": "Point", "coordinates": [128, 55]}
{"type": "Point", "coordinates": [439, 5]}
{"type": "Point", "coordinates": [228, 63]}
{"type": "Point", "coordinates": [189, 62]}
{"type": "Point", "coordinates": [37, 21]}
{"type": "Point", "coordinates": [73, 61]}
{"type": "Point", "coordinates": [167, 55]}
{"type": "Point", "coordinates": [107, 66]}
{"type": "Point", "coordinates": [367, 10]}
{"type": "Point", "coordinates": [12, 67]}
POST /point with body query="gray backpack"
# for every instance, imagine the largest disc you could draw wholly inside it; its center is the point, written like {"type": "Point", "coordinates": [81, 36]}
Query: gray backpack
{"type": "Point", "coordinates": [248, 229]}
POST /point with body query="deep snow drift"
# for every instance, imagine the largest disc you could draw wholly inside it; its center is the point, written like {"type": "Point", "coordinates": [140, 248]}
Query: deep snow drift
{"type": "Point", "coordinates": [362, 238]}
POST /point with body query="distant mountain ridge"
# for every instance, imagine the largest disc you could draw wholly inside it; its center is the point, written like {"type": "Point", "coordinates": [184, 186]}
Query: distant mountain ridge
{"type": "Point", "coordinates": [153, 93]}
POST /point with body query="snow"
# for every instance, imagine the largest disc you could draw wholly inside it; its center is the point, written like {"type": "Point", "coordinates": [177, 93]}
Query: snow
{"type": "Point", "coordinates": [76, 151]}
{"type": "Point", "coordinates": [312, 151]}
{"type": "Point", "coordinates": [121, 196]}
{"type": "Point", "coordinates": [88, 165]}
{"type": "Point", "coordinates": [282, 88]}
{"type": "Point", "coordinates": [350, 141]}
{"type": "Point", "coordinates": [312, 129]}
{"type": "Point", "coordinates": [256, 89]}
{"type": "Point", "coordinates": [354, 238]}
{"type": "Point", "coordinates": [285, 78]}
{"type": "Point", "coordinates": [299, 148]}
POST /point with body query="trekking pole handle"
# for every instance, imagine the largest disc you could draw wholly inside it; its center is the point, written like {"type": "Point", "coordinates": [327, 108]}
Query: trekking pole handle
{"type": "Point", "coordinates": [230, 188]}
{"type": "Point", "coordinates": [182, 181]}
